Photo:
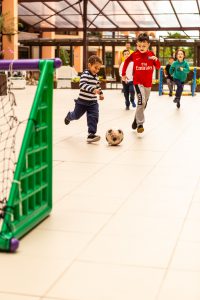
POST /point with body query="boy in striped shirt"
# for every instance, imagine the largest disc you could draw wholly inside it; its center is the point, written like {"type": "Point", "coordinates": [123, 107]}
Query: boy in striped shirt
{"type": "Point", "coordinates": [87, 99]}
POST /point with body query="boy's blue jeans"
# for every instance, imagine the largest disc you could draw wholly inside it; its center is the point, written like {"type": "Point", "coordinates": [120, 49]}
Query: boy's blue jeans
{"type": "Point", "coordinates": [179, 90]}
{"type": "Point", "coordinates": [129, 91]}
{"type": "Point", "coordinates": [91, 108]}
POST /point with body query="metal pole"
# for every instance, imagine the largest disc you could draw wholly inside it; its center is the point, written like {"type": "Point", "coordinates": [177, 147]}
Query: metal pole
{"type": "Point", "coordinates": [85, 41]}
{"type": "Point", "coordinates": [160, 89]}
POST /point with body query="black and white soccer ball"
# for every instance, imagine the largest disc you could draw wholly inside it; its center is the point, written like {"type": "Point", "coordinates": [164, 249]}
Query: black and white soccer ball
{"type": "Point", "coordinates": [114, 137]}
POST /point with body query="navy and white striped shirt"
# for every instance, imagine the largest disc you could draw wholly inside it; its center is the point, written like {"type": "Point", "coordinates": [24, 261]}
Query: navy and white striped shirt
{"type": "Point", "coordinates": [88, 83]}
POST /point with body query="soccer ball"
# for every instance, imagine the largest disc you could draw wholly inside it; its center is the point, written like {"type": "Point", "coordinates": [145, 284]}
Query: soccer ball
{"type": "Point", "coordinates": [114, 137]}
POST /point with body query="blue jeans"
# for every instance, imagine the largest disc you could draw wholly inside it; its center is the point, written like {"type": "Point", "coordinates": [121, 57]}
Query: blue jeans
{"type": "Point", "coordinates": [129, 91]}
{"type": "Point", "coordinates": [179, 90]}
{"type": "Point", "coordinates": [91, 108]}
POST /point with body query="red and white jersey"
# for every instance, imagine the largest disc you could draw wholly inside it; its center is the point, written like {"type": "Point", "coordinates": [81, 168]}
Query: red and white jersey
{"type": "Point", "coordinates": [143, 67]}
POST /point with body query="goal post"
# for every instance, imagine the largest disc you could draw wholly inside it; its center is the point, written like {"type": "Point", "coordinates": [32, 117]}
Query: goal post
{"type": "Point", "coordinates": [30, 197]}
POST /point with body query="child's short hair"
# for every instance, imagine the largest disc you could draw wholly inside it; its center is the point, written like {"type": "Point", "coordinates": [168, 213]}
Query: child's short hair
{"type": "Point", "coordinates": [93, 59]}
{"type": "Point", "coordinates": [178, 51]}
{"type": "Point", "coordinates": [125, 50]}
{"type": "Point", "coordinates": [143, 37]}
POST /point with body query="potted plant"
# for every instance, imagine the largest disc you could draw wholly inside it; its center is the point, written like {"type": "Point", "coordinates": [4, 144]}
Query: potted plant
{"type": "Point", "coordinates": [197, 84]}
{"type": "Point", "coordinates": [3, 84]}
{"type": "Point", "coordinates": [55, 81]}
{"type": "Point", "coordinates": [3, 79]}
{"type": "Point", "coordinates": [155, 85]}
{"type": "Point", "coordinates": [75, 82]}
{"type": "Point", "coordinates": [102, 82]}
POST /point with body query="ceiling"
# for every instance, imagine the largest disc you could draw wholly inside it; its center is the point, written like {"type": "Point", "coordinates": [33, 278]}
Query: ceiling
{"type": "Point", "coordinates": [111, 15]}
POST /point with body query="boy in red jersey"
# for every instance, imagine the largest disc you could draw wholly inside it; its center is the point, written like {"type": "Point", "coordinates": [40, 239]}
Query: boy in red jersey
{"type": "Point", "coordinates": [144, 62]}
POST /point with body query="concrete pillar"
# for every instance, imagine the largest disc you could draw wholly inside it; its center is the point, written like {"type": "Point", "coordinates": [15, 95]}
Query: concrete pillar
{"type": "Point", "coordinates": [10, 43]}
{"type": "Point", "coordinates": [48, 51]}
{"type": "Point", "coordinates": [78, 58]}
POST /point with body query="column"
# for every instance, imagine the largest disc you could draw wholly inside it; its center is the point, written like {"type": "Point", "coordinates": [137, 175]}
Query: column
{"type": "Point", "coordinates": [48, 51]}
{"type": "Point", "coordinates": [78, 58]}
{"type": "Point", "coordinates": [10, 42]}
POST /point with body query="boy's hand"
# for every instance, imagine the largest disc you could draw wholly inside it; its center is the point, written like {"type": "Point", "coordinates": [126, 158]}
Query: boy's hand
{"type": "Point", "coordinates": [101, 97]}
{"type": "Point", "coordinates": [96, 91]}
{"type": "Point", "coordinates": [153, 57]}
{"type": "Point", "coordinates": [124, 78]}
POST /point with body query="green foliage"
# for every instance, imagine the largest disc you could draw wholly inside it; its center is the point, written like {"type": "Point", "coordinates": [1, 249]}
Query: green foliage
{"type": "Point", "coordinates": [101, 79]}
{"type": "Point", "coordinates": [155, 81]}
{"type": "Point", "coordinates": [176, 35]}
{"type": "Point", "coordinates": [64, 56]}
{"type": "Point", "coordinates": [197, 81]}
{"type": "Point", "coordinates": [76, 79]}
{"type": "Point", "coordinates": [166, 52]}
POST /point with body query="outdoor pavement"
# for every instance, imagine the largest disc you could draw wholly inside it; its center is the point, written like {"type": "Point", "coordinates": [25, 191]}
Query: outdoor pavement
{"type": "Point", "coordinates": [125, 223]}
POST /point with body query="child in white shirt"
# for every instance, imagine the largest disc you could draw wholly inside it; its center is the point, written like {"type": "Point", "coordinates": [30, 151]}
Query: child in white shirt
{"type": "Point", "coordinates": [128, 87]}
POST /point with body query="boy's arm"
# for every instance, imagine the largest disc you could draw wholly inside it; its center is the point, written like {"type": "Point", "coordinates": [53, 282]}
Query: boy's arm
{"type": "Point", "coordinates": [99, 88]}
{"type": "Point", "coordinates": [157, 63]}
{"type": "Point", "coordinates": [165, 71]}
{"type": "Point", "coordinates": [99, 91]}
{"type": "Point", "coordinates": [120, 69]}
{"type": "Point", "coordinates": [126, 63]}
{"type": "Point", "coordinates": [172, 69]}
{"type": "Point", "coordinates": [186, 68]}
{"type": "Point", "coordinates": [84, 84]}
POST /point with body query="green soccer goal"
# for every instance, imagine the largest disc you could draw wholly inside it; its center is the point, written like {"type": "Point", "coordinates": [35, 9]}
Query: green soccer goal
{"type": "Point", "coordinates": [30, 196]}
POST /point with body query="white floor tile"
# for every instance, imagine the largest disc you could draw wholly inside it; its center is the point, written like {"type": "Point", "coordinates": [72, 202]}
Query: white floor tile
{"type": "Point", "coordinates": [128, 250]}
{"type": "Point", "coordinates": [186, 256]}
{"type": "Point", "coordinates": [181, 285]}
{"type": "Point", "coordinates": [107, 282]}
{"type": "Point", "coordinates": [8, 296]}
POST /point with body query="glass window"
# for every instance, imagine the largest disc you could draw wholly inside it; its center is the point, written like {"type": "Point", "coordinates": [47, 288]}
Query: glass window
{"type": "Point", "coordinates": [23, 11]}
{"type": "Point", "coordinates": [100, 4]}
{"type": "Point", "coordinates": [38, 8]}
{"type": "Point", "coordinates": [167, 20]}
{"type": "Point", "coordinates": [144, 20]}
{"type": "Point", "coordinates": [113, 8]}
{"type": "Point", "coordinates": [91, 9]}
{"type": "Point", "coordinates": [122, 21]}
{"type": "Point", "coordinates": [137, 8]}
{"type": "Point", "coordinates": [30, 19]}
{"type": "Point", "coordinates": [185, 6]}
{"type": "Point", "coordinates": [70, 12]}
{"type": "Point", "coordinates": [59, 22]}
{"type": "Point", "coordinates": [160, 7]}
{"type": "Point", "coordinates": [77, 21]}
{"type": "Point", "coordinates": [57, 6]}
{"type": "Point", "coordinates": [103, 22]}
{"type": "Point", "coordinates": [116, 11]}
{"type": "Point", "coordinates": [189, 20]}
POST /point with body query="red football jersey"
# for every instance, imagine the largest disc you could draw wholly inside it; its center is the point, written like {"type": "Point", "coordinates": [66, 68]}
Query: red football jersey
{"type": "Point", "coordinates": [143, 67]}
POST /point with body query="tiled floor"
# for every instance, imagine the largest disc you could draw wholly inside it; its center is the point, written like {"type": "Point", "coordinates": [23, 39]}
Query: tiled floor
{"type": "Point", "coordinates": [126, 220]}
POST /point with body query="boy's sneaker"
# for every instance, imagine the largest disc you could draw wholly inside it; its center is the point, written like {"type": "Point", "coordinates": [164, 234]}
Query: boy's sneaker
{"type": "Point", "coordinates": [67, 121]}
{"type": "Point", "coordinates": [178, 104]}
{"type": "Point", "coordinates": [140, 129]}
{"type": "Point", "coordinates": [127, 107]}
{"type": "Point", "coordinates": [170, 94]}
{"type": "Point", "coordinates": [133, 104]}
{"type": "Point", "coordinates": [134, 124]}
{"type": "Point", "coordinates": [175, 100]}
{"type": "Point", "coordinates": [93, 138]}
